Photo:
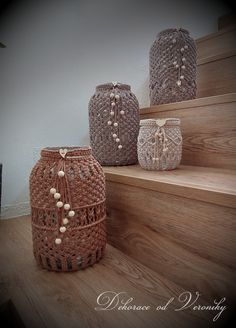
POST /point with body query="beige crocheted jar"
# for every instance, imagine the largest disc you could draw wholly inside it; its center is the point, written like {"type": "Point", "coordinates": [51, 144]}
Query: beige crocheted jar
{"type": "Point", "coordinates": [159, 144]}
{"type": "Point", "coordinates": [67, 194]}
{"type": "Point", "coordinates": [172, 67]}
{"type": "Point", "coordinates": [114, 124]}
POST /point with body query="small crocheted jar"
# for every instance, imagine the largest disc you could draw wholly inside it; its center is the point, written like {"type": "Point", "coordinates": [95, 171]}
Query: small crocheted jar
{"type": "Point", "coordinates": [172, 67]}
{"type": "Point", "coordinates": [114, 124]}
{"type": "Point", "coordinates": [67, 195]}
{"type": "Point", "coordinates": [159, 144]}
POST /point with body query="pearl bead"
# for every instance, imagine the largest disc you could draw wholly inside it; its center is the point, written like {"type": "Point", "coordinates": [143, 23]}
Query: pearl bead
{"type": "Point", "coordinates": [164, 66]}
{"type": "Point", "coordinates": [177, 66]}
{"type": "Point", "coordinates": [165, 150]}
{"type": "Point", "coordinates": [61, 174]}
{"type": "Point", "coordinates": [109, 122]}
{"type": "Point", "coordinates": [122, 112]}
{"type": "Point", "coordinates": [182, 49]}
{"type": "Point", "coordinates": [178, 83]}
{"type": "Point", "coordinates": [114, 135]}
{"type": "Point", "coordinates": [65, 221]}
{"type": "Point", "coordinates": [175, 62]}
{"type": "Point", "coordinates": [67, 207]}
{"type": "Point", "coordinates": [181, 77]}
{"type": "Point", "coordinates": [115, 124]}
{"type": "Point", "coordinates": [120, 146]}
{"type": "Point", "coordinates": [113, 104]}
{"type": "Point", "coordinates": [112, 95]}
{"type": "Point", "coordinates": [117, 140]}
{"type": "Point", "coordinates": [58, 241]}
{"type": "Point", "coordinates": [174, 40]}
{"type": "Point", "coordinates": [117, 97]}
{"type": "Point", "coordinates": [185, 47]}
{"type": "Point", "coordinates": [57, 195]}
{"type": "Point", "coordinates": [59, 204]}
{"type": "Point", "coordinates": [71, 214]}
{"type": "Point", "coordinates": [53, 191]}
{"type": "Point", "coordinates": [183, 66]}
{"type": "Point", "coordinates": [183, 59]}
{"type": "Point", "coordinates": [62, 229]}
{"type": "Point", "coordinates": [112, 113]}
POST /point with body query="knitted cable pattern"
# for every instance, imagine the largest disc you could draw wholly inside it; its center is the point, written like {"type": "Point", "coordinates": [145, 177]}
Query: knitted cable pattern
{"type": "Point", "coordinates": [172, 67]}
{"type": "Point", "coordinates": [67, 195]}
{"type": "Point", "coordinates": [159, 144]}
{"type": "Point", "coordinates": [114, 124]}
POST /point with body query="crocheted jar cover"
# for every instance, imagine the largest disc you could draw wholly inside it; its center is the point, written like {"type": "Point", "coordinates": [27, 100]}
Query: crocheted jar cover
{"type": "Point", "coordinates": [172, 67]}
{"type": "Point", "coordinates": [114, 124]}
{"type": "Point", "coordinates": [67, 195]}
{"type": "Point", "coordinates": [159, 144]}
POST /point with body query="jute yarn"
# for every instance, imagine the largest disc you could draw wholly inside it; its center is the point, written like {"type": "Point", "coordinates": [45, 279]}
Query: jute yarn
{"type": "Point", "coordinates": [159, 144]}
{"type": "Point", "coordinates": [67, 195]}
{"type": "Point", "coordinates": [114, 124]}
{"type": "Point", "coordinates": [172, 67]}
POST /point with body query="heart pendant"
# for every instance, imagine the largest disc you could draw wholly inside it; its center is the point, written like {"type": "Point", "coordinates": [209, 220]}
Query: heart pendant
{"type": "Point", "coordinates": [161, 122]}
{"type": "Point", "coordinates": [63, 152]}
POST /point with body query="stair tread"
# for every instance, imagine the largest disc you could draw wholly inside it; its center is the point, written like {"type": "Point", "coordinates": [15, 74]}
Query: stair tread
{"type": "Point", "coordinates": [202, 183]}
{"type": "Point", "coordinates": [216, 34]}
{"type": "Point", "coordinates": [197, 102]}
{"type": "Point", "coordinates": [226, 54]}
{"type": "Point", "coordinates": [69, 299]}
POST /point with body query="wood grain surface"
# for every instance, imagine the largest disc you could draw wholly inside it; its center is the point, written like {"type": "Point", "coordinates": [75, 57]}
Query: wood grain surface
{"type": "Point", "coordinates": [216, 75]}
{"type": "Point", "coordinates": [190, 242]}
{"type": "Point", "coordinates": [50, 299]}
{"type": "Point", "coordinates": [208, 126]}
{"type": "Point", "coordinates": [211, 185]}
{"type": "Point", "coordinates": [217, 43]}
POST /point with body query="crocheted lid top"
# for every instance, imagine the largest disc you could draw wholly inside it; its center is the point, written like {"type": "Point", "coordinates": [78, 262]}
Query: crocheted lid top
{"type": "Point", "coordinates": [65, 152]}
{"type": "Point", "coordinates": [172, 30]}
{"type": "Point", "coordinates": [113, 85]}
{"type": "Point", "coordinates": [160, 122]}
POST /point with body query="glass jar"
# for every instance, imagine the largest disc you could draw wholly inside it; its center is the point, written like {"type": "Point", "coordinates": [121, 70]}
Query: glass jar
{"type": "Point", "coordinates": [172, 67]}
{"type": "Point", "coordinates": [159, 144]}
{"type": "Point", "coordinates": [114, 124]}
{"type": "Point", "coordinates": [67, 195]}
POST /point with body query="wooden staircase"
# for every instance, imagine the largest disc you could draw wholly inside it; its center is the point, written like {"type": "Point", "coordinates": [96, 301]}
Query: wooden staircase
{"type": "Point", "coordinates": [182, 223]}
{"type": "Point", "coordinates": [168, 232]}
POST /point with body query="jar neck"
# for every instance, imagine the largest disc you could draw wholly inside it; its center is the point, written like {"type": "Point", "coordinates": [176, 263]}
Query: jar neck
{"type": "Point", "coordinates": [112, 86]}
{"type": "Point", "coordinates": [57, 153]}
{"type": "Point", "coordinates": [160, 122]}
{"type": "Point", "coordinates": [172, 30]}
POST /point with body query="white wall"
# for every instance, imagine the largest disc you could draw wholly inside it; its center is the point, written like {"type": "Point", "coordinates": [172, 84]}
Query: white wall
{"type": "Point", "coordinates": [57, 52]}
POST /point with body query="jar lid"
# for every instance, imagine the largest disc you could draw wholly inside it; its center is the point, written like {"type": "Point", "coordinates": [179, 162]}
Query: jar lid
{"type": "Point", "coordinates": [65, 152]}
{"type": "Point", "coordinates": [160, 122]}
{"type": "Point", "coordinates": [172, 30]}
{"type": "Point", "coordinates": [113, 85]}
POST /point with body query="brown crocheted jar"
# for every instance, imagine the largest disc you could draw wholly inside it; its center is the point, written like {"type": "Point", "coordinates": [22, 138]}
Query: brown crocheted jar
{"type": "Point", "coordinates": [114, 124]}
{"type": "Point", "coordinates": [159, 144]}
{"type": "Point", "coordinates": [172, 67]}
{"type": "Point", "coordinates": [67, 194]}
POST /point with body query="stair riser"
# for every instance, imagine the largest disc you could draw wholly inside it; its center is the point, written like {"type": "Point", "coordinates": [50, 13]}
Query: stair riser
{"type": "Point", "coordinates": [188, 239]}
{"type": "Point", "coordinates": [209, 134]}
{"type": "Point", "coordinates": [216, 77]}
{"type": "Point", "coordinates": [218, 43]}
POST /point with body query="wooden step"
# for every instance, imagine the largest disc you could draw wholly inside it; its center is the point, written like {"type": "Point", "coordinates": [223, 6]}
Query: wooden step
{"type": "Point", "coordinates": [208, 127]}
{"type": "Point", "coordinates": [50, 299]}
{"type": "Point", "coordinates": [217, 43]}
{"type": "Point", "coordinates": [180, 223]}
{"type": "Point", "coordinates": [226, 20]}
{"type": "Point", "coordinates": [216, 74]}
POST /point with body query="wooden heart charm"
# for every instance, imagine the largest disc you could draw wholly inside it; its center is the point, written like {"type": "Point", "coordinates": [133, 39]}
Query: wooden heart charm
{"type": "Point", "coordinates": [63, 152]}
{"type": "Point", "coordinates": [161, 122]}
